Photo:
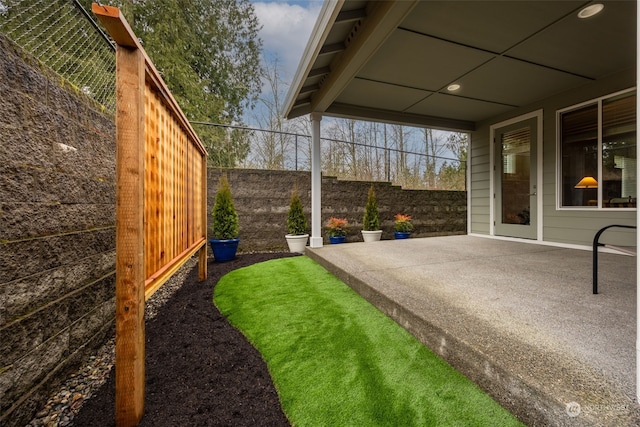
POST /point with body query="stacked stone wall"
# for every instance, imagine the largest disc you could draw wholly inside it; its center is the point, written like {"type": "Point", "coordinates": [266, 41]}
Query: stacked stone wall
{"type": "Point", "coordinates": [262, 200]}
{"type": "Point", "coordinates": [57, 231]}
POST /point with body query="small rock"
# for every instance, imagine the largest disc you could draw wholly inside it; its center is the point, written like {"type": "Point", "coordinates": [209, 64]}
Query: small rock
{"type": "Point", "coordinates": [62, 406]}
{"type": "Point", "coordinates": [75, 406]}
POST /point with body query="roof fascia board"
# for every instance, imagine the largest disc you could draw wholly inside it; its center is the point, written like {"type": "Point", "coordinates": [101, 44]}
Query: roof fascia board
{"type": "Point", "coordinates": [379, 24]}
{"type": "Point", "coordinates": [328, 14]}
{"type": "Point", "coordinates": [371, 114]}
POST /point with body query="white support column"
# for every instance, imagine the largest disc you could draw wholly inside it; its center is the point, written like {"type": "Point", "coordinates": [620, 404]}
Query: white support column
{"type": "Point", "coordinates": [316, 182]}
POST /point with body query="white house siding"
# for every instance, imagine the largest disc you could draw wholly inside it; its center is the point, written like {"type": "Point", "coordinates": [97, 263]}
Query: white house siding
{"type": "Point", "coordinates": [569, 226]}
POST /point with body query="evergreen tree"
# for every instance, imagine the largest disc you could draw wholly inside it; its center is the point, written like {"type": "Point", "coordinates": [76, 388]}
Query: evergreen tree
{"type": "Point", "coordinates": [208, 53]}
{"type": "Point", "coordinates": [296, 220]}
{"type": "Point", "coordinates": [223, 215]}
{"type": "Point", "coordinates": [371, 220]}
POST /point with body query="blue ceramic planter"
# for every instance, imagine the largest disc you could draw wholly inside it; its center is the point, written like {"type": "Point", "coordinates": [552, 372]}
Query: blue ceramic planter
{"type": "Point", "coordinates": [402, 234]}
{"type": "Point", "coordinates": [224, 250]}
{"type": "Point", "coordinates": [337, 239]}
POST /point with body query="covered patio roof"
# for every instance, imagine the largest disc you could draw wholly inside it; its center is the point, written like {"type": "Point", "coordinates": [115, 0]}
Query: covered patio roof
{"type": "Point", "coordinates": [394, 61]}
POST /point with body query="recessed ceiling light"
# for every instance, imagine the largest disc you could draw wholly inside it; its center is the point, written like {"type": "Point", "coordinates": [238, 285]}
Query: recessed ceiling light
{"type": "Point", "coordinates": [453, 87]}
{"type": "Point", "coordinates": [589, 11]}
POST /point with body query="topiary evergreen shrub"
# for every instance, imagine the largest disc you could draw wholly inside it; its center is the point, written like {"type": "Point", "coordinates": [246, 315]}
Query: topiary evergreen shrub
{"type": "Point", "coordinates": [296, 220]}
{"type": "Point", "coordinates": [223, 215]}
{"type": "Point", "coordinates": [371, 219]}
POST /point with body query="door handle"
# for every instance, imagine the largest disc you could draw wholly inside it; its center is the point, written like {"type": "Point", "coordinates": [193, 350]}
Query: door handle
{"type": "Point", "coordinates": [533, 194]}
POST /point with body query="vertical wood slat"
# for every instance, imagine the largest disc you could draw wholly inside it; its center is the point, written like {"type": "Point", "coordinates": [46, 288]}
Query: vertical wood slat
{"type": "Point", "coordinates": [158, 193]}
{"type": "Point", "coordinates": [172, 250]}
{"type": "Point", "coordinates": [176, 188]}
{"type": "Point", "coordinates": [185, 184]}
{"type": "Point", "coordinates": [196, 195]}
{"type": "Point", "coordinates": [150, 133]}
{"type": "Point", "coordinates": [202, 259]}
{"type": "Point", "coordinates": [164, 255]}
{"type": "Point", "coordinates": [156, 169]}
{"type": "Point", "coordinates": [189, 194]}
{"type": "Point", "coordinates": [184, 176]}
{"type": "Point", "coordinates": [130, 274]}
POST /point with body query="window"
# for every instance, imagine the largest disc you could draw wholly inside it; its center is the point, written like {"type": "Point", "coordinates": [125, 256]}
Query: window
{"type": "Point", "coordinates": [598, 153]}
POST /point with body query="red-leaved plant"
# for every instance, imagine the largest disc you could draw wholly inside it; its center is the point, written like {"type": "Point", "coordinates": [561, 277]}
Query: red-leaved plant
{"type": "Point", "coordinates": [337, 227]}
{"type": "Point", "coordinates": [403, 223]}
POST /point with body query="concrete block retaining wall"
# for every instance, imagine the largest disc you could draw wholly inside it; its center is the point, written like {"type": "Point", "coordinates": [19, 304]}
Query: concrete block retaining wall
{"type": "Point", "coordinates": [57, 232]}
{"type": "Point", "coordinates": [57, 226]}
{"type": "Point", "coordinates": [262, 200]}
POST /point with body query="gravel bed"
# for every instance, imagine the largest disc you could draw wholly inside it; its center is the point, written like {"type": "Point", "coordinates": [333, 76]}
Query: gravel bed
{"type": "Point", "coordinates": [62, 406]}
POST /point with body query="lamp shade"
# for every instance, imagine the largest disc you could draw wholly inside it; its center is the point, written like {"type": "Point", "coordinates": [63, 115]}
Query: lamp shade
{"type": "Point", "coordinates": [587, 182]}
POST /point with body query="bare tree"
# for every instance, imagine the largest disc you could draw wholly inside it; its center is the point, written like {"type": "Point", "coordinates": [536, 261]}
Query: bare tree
{"type": "Point", "coordinates": [301, 127]}
{"type": "Point", "coordinates": [435, 146]}
{"type": "Point", "coordinates": [350, 149]}
{"type": "Point", "coordinates": [269, 149]}
{"type": "Point", "coordinates": [452, 175]}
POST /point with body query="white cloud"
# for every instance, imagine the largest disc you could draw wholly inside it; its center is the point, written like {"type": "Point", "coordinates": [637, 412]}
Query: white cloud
{"type": "Point", "coordinates": [285, 32]}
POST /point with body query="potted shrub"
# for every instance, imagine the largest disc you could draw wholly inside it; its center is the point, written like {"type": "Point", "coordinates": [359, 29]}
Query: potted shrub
{"type": "Point", "coordinates": [297, 225]}
{"type": "Point", "coordinates": [224, 217]}
{"type": "Point", "coordinates": [402, 226]}
{"type": "Point", "coordinates": [337, 230]}
{"type": "Point", "coordinates": [371, 221]}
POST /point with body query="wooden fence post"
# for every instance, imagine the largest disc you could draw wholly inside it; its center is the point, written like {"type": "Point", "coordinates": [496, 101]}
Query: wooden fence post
{"type": "Point", "coordinates": [202, 260]}
{"type": "Point", "coordinates": [130, 274]}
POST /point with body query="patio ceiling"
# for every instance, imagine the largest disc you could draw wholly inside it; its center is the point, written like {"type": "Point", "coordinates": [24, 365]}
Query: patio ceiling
{"type": "Point", "coordinates": [393, 61]}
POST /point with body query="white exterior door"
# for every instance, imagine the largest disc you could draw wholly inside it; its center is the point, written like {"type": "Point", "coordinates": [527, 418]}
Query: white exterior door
{"type": "Point", "coordinates": [515, 179]}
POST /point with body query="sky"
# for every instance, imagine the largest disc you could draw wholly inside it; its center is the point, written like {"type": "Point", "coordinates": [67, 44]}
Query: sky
{"type": "Point", "coordinates": [286, 26]}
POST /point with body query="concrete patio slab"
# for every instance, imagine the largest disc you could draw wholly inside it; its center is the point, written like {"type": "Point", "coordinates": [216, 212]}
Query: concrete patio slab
{"type": "Point", "coordinates": [519, 319]}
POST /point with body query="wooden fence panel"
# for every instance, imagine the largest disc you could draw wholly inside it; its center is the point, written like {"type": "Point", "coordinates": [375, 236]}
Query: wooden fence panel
{"type": "Point", "coordinates": [161, 192]}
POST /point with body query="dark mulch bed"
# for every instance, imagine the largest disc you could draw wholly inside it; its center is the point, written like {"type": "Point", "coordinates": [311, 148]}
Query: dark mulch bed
{"type": "Point", "coordinates": [200, 371]}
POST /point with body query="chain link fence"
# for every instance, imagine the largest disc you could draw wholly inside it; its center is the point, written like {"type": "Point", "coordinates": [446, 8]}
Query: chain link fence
{"type": "Point", "coordinates": [64, 37]}
{"type": "Point", "coordinates": [347, 160]}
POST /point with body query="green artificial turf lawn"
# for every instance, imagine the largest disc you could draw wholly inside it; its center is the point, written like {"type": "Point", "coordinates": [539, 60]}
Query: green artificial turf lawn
{"type": "Point", "coordinates": [338, 361]}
